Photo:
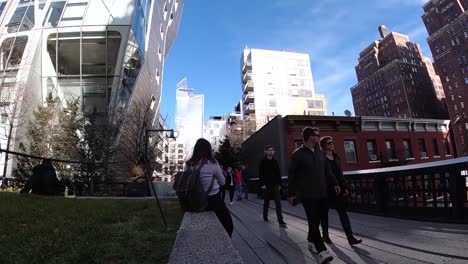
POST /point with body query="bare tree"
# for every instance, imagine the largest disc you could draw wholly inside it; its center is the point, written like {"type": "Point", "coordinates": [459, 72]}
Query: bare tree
{"type": "Point", "coordinates": [15, 99]}
{"type": "Point", "coordinates": [240, 130]}
{"type": "Point", "coordinates": [134, 144]}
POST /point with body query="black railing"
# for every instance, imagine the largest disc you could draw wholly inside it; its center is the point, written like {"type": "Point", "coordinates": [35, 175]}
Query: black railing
{"type": "Point", "coordinates": [435, 191]}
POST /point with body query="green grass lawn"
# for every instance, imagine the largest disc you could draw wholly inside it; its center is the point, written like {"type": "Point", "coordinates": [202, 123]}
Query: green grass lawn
{"type": "Point", "coordinates": [36, 229]}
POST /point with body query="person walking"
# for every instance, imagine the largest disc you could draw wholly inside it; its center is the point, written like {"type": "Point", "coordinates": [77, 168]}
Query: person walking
{"type": "Point", "coordinates": [211, 175]}
{"type": "Point", "coordinates": [308, 177]}
{"type": "Point", "coordinates": [336, 200]}
{"type": "Point", "coordinates": [230, 183]}
{"type": "Point", "coordinates": [239, 184]}
{"type": "Point", "coordinates": [270, 183]}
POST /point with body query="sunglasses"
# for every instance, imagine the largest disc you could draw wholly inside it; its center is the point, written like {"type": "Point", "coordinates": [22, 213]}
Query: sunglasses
{"type": "Point", "coordinates": [331, 142]}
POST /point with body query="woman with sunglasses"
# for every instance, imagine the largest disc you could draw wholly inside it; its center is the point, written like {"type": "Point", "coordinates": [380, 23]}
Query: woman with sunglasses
{"type": "Point", "coordinates": [338, 201]}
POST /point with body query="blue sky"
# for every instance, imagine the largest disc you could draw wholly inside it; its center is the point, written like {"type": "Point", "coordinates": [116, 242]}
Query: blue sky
{"type": "Point", "coordinates": [212, 35]}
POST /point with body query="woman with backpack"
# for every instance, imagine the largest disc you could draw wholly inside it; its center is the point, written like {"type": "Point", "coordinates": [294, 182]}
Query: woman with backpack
{"type": "Point", "coordinates": [211, 179]}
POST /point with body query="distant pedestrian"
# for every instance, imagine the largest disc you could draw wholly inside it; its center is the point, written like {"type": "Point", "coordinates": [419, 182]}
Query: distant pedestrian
{"type": "Point", "coordinates": [211, 178]}
{"type": "Point", "coordinates": [239, 184]}
{"type": "Point", "coordinates": [336, 200]}
{"type": "Point", "coordinates": [44, 180]}
{"type": "Point", "coordinates": [270, 183]}
{"type": "Point", "coordinates": [245, 179]}
{"type": "Point", "coordinates": [308, 177]}
{"type": "Point", "coordinates": [230, 183]}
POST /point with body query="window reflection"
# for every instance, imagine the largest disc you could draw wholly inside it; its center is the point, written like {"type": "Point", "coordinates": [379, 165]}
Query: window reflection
{"type": "Point", "coordinates": [11, 52]}
{"type": "Point", "coordinates": [54, 13]}
{"type": "Point", "coordinates": [94, 53]}
{"type": "Point", "coordinates": [70, 86]}
{"type": "Point", "coordinates": [22, 19]}
{"type": "Point", "coordinates": [68, 53]}
{"type": "Point", "coordinates": [132, 65]}
{"type": "Point", "coordinates": [81, 61]}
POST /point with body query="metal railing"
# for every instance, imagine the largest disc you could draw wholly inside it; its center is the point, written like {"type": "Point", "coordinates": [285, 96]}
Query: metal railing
{"type": "Point", "coordinates": [435, 191]}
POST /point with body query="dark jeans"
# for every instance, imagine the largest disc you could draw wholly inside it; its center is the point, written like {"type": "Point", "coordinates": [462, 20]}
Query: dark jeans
{"type": "Point", "coordinates": [222, 190]}
{"type": "Point", "coordinates": [231, 192]}
{"type": "Point", "coordinates": [315, 209]}
{"type": "Point", "coordinates": [272, 193]}
{"type": "Point", "coordinates": [339, 202]}
{"type": "Point", "coordinates": [216, 204]}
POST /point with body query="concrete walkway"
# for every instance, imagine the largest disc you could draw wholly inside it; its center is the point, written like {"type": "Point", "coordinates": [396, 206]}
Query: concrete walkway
{"type": "Point", "coordinates": [386, 240]}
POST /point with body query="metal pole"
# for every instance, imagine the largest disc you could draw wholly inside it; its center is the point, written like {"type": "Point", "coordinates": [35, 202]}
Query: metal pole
{"type": "Point", "coordinates": [148, 177]}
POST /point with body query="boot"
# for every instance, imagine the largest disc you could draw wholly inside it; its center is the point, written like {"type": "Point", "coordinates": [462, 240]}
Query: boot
{"type": "Point", "coordinates": [326, 238]}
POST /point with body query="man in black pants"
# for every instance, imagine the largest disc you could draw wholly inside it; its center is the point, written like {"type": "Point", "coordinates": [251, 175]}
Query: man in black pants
{"type": "Point", "coordinates": [270, 183]}
{"type": "Point", "coordinates": [308, 177]}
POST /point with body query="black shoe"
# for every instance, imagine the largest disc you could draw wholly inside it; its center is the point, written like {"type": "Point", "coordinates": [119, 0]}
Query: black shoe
{"type": "Point", "coordinates": [327, 240]}
{"type": "Point", "coordinates": [354, 241]}
{"type": "Point", "coordinates": [282, 224]}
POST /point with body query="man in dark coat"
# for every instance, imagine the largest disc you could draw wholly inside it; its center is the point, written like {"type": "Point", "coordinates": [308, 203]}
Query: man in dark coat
{"type": "Point", "coordinates": [308, 179]}
{"type": "Point", "coordinates": [43, 180]}
{"type": "Point", "coordinates": [270, 182]}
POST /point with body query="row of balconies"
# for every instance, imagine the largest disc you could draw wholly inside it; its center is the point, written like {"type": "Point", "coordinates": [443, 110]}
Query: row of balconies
{"type": "Point", "coordinates": [248, 98]}
{"type": "Point", "coordinates": [250, 108]}
{"type": "Point", "coordinates": [247, 66]}
{"type": "Point", "coordinates": [248, 87]}
{"type": "Point", "coordinates": [248, 94]}
{"type": "Point", "coordinates": [247, 76]}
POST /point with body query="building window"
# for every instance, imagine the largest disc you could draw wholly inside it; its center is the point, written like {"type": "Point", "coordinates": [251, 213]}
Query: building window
{"type": "Point", "coordinates": [272, 102]}
{"type": "Point", "coordinates": [390, 149]}
{"type": "Point", "coordinates": [435, 147]}
{"type": "Point", "coordinates": [446, 147]}
{"type": "Point", "coordinates": [372, 150]}
{"type": "Point", "coordinates": [153, 101]}
{"type": "Point", "coordinates": [315, 104]}
{"type": "Point", "coordinates": [22, 19]}
{"type": "Point", "coordinates": [53, 14]}
{"type": "Point", "coordinates": [407, 148]}
{"type": "Point", "coordinates": [422, 148]}
{"type": "Point", "coordinates": [350, 150]}
{"type": "Point", "coordinates": [11, 52]}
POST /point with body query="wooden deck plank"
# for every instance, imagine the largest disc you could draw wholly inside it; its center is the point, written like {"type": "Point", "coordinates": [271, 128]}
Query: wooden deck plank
{"type": "Point", "coordinates": [384, 243]}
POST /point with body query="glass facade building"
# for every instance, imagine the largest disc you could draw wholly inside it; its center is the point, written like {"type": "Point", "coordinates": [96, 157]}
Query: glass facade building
{"type": "Point", "coordinates": [106, 53]}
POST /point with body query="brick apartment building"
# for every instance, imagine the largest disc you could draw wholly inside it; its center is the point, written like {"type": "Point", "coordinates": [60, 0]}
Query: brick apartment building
{"type": "Point", "coordinates": [396, 80]}
{"type": "Point", "coordinates": [447, 24]}
{"type": "Point", "coordinates": [361, 142]}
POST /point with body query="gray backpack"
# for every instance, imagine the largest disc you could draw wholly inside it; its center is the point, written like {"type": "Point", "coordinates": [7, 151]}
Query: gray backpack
{"type": "Point", "coordinates": [189, 190]}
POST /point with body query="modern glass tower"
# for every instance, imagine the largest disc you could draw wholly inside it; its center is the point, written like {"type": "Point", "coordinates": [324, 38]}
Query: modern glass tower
{"type": "Point", "coordinates": [107, 53]}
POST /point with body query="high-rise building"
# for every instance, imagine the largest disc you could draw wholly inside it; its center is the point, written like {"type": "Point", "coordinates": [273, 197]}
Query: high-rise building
{"type": "Point", "coordinates": [189, 115]}
{"type": "Point", "coordinates": [396, 80]}
{"type": "Point", "coordinates": [216, 131]}
{"type": "Point", "coordinates": [447, 24]}
{"type": "Point", "coordinates": [177, 157]}
{"type": "Point", "coordinates": [278, 83]}
{"type": "Point", "coordinates": [106, 53]}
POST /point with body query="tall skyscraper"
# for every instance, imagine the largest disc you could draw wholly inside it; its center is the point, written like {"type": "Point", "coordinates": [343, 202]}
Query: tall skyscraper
{"type": "Point", "coordinates": [106, 53]}
{"type": "Point", "coordinates": [447, 25]}
{"type": "Point", "coordinates": [278, 83]}
{"type": "Point", "coordinates": [395, 80]}
{"type": "Point", "coordinates": [189, 115]}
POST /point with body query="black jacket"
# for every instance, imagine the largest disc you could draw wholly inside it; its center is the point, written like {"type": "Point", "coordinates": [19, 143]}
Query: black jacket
{"type": "Point", "coordinates": [309, 174]}
{"type": "Point", "coordinates": [43, 181]}
{"type": "Point", "coordinates": [269, 172]}
{"type": "Point", "coordinates": [339, 172]}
